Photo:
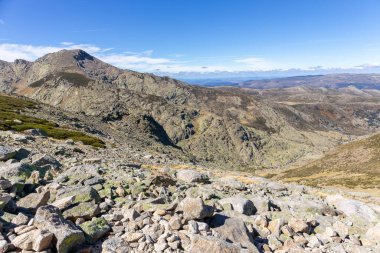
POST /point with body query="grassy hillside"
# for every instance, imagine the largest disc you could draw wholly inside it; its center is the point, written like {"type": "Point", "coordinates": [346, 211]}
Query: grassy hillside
{"type": "Point", "coordinates": [352, 165]}
{"type": "Point", "coordinates": [13, 117]}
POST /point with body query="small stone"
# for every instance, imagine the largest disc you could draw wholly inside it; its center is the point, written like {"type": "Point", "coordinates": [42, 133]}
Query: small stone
{"type": "Point", "coordinates": [341, 229]}
{"type": "Point", "coordinates": [330, 232]}
{"type": "Point", "coordinates": [64, 202]}
{"type": "Point", "coordinates": [133, 237]}
{"type": "Point", "coordinates": [274, 243]}
{"type": "Point", "coordinates": [115, 245]}
{"type": "Point", "coordinates": [34, 200]}
{"type": "Point", "coordinates": [120, 191]}
{"type": "Point", "coordinates": [130, 214]}
{"type": "Point", "coordinates": [159, 247]}
{"type": "Point", "coordinates": [193, 227]}
{"type": "Point", "coordinates": [299, 226]}
{"type": "Point", "coordinates": [20, 219]}
{"type": "Point", "coordinates": [175, 223]}
{"type": "Point", "coordinates": [275, 226]}
{"type": "Point", "coordinates": [313, 242]}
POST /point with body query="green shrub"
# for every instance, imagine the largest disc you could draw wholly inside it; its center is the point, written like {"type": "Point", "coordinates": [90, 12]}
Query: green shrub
{"type": "Point", "coordinates": [12, 117]}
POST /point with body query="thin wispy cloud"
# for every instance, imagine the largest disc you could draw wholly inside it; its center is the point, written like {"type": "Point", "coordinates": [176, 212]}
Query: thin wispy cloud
{"type": "Point", "coordinates": [2, 22]}
{"type": "Point", "coordinates": [146, 61]}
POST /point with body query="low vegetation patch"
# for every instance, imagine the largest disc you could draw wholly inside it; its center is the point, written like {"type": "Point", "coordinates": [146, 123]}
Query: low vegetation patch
{"type": "Point", "coordinates": [352, 165]}
{"type": "Point", "coordinates": [13, 117]}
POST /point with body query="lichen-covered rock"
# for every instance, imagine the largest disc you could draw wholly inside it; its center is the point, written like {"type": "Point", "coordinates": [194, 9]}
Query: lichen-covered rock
{"type": "Point", "coordinates": [16, 171]}
{"type": "Point", "coordinates": [95, 229]}
{"type": "Point", "coordinates": [81, 194]}
{"type": "Point", "coordinates": [67, 236]}
{"type": "Point", "coordinates": [85, 210]}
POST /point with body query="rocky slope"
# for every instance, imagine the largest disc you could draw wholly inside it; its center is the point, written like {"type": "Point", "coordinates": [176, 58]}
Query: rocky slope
{"type": "Point", "coordinates": [63, 196]}
{"type": "Point", "coordinates": [229, 128]}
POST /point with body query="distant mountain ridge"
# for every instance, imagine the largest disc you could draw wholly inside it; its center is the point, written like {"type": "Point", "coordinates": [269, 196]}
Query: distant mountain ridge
{"type": "Point", "coordinates": [232, 127]}
{"type": "Point", "coordinates": [332, 81]}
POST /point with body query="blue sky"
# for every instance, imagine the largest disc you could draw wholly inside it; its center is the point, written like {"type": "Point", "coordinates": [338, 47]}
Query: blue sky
{"type": "Point", "coordinates": [215, 36]}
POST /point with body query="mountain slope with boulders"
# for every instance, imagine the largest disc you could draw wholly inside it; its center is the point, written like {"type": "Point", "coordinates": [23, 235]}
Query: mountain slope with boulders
{"type": "Point", "coordinates": [222, 127]}
{"type": "Point", "coordinates": [63, 196]}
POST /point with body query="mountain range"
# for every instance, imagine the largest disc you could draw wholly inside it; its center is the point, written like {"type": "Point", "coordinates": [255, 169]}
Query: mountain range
{"type": "Point", "coordinates": [229, 127]}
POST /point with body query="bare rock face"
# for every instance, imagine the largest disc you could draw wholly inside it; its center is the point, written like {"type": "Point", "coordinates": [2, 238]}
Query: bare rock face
{"type": "Point", "coordinates": [66, 234]}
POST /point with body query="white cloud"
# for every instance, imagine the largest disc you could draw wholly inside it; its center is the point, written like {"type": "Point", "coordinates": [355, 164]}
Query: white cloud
{"type": "Point", "coordinates": [140, 61]}
{"type": "Point", "coordinates": [145, 61]}
{"type": "Point", "coordinates": [256, 64]}
{"type": "Point", "coordinates": [67, 43]}
{"type": "Point", "coordinates": [10, 52]}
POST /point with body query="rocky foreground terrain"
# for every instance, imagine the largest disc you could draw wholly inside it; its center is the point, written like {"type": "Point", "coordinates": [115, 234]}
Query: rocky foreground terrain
{"type": "Point", "coordinates": [63, 196]}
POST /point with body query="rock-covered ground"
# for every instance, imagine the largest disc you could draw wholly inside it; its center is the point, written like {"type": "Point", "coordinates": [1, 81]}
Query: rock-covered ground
{"type": "Point", "coordinates": [61, 196]}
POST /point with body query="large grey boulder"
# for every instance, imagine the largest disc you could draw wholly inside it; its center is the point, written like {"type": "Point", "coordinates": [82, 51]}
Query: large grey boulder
{"type": "Point", "coordinates": [36, 240]}
{"type": "Point", "coordinates": [373, 234]}
{"type": "Point", "coordinates": [233, 230]}
{"type": "Point", "coordinates": [240, 204]}
{"type": "Point", "coordinates": [67, 236]}
{"type": "Point", "coordinates": [192, 176]}
{"type": "Point", "coordinates": [16, 171]}
{"type": "Point", "coordinates": [211, 244]}
{"type": "Point", "coordinates": [95, 229]}
{"type": "Point", "coordinates": [194, 209]}
{"type": "Point", "coordinates": [34, 200]}
{"type": "Point", "coordinates": [6, 153]}
{"type": "Point", "coordinates": [85, 210]}
{"type": "Point", "coordinates": [360, 213]}
{"type": "Point", "coordinates": [42, 160]}
{"type": "Point", "coordinates": [80, 194]}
